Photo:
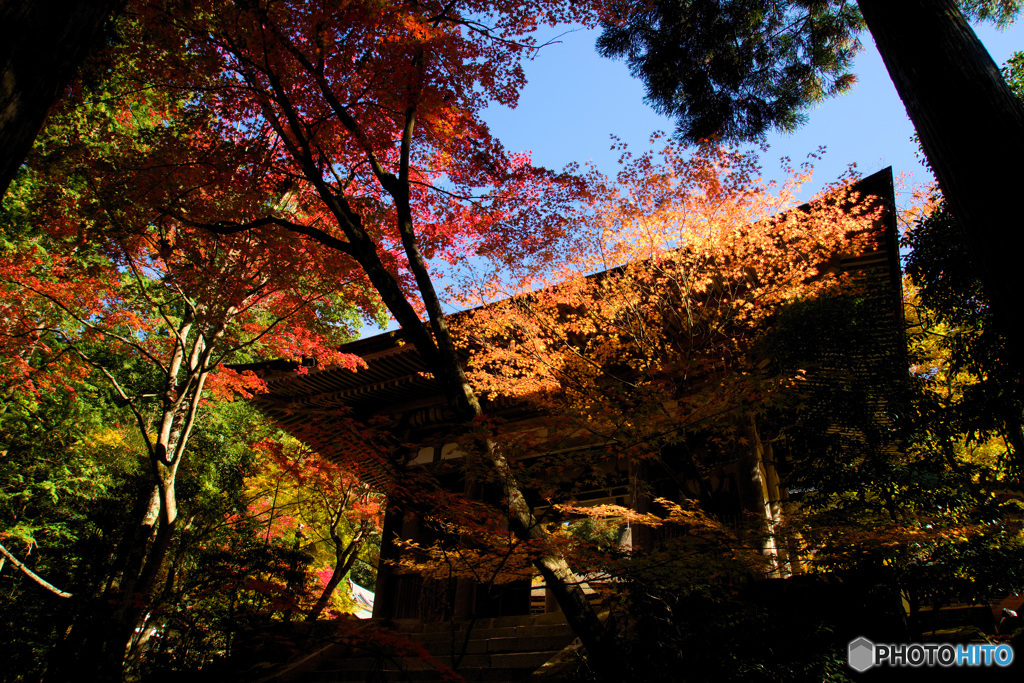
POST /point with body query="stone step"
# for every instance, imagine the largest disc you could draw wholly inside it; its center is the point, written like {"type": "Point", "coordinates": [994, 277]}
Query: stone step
{"type": "Point", "coordinates": [490, 675]}
{"type": "Point", "coordinates": [524, 643]}
{"type": "Point", "coordinates": [361, 676]}
{"type": "Point", "coordinates": [415, 626]}
{"type": "Point", "coordinates": [357, 670]}
{"type": "Point", "coordinates": [519, 660]}
{"type": "Point", "coordinates": [555, 631]}
{"type": "Point", "coordinates": [498, 649]}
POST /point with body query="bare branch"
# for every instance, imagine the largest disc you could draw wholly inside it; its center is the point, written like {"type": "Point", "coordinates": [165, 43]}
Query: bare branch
{"type": "Point", "coordinates": [139, 417]}
{"type": "Point", "coordinates": [32, 575]}
{"type": "Point", "coordinates": [233, 227]}
{"type": "Point", "coordinates": [160, 306]}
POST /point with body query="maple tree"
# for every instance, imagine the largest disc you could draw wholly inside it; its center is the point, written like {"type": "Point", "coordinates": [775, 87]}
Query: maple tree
{"type": "Point", "coordinates": [699, 291]}
{"type": "Point", "coordinates": [334, 514]}
{"type": "Point", "coordinates": [71, 470]}
{"type": "Point", "coordinates": [695, 256]}
{"type": "Point", "coordinates": [370, 112]}
{"type": "Point", "coordinates": [258, 554]}
{"type": "Point", "coordinates": [363, 171]}
{"type": "Point", "coordinates": [103, 277]}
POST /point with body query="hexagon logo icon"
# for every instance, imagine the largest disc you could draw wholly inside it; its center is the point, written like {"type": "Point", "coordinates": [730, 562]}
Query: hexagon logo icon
{"type": "Point", "coordinates": [861, 654]}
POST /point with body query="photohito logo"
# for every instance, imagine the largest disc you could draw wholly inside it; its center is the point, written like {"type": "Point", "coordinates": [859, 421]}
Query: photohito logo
{"type": "Point", "coordinates": [862, 654]}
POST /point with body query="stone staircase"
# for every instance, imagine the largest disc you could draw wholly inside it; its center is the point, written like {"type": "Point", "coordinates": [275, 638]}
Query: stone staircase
{"type": "Point", "coordinates": [521, 648]}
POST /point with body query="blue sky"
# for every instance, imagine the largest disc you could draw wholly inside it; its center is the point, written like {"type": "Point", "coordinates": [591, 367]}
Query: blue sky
{"type": "Point", "coordinates": [575, 99]}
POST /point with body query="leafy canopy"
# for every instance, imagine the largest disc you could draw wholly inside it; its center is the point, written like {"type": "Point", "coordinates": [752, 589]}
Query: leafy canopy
{"type": "Point", "coordinates": [736, 69]}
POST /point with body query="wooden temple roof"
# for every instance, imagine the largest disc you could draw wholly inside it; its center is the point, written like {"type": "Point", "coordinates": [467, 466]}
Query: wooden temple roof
{"type": "Point", "coordinates": [395, 383]}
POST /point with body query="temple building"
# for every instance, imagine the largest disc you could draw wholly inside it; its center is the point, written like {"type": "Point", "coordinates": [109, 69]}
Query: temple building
{"type": "Point", "coordinates": [397, 395]}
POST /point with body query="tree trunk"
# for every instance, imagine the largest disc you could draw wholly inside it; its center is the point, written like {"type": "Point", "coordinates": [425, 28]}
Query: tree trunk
{"type": "Point", "coordinates": [971, 128]}
{"type": "Point", "coordinates": [42, 43]}
{"type": "Point", "coordinates": [117, 634]}
{"type": "Point", "coordinates": [431, 339]}
{"type": "Point", "coordinates": [344, 558]}
{"type": "Point", "coordinates": [434, 343]}
{"type": "Point", "coordinates": [558, 575]}
{"type": "Point", "coordinates": [109, 631]}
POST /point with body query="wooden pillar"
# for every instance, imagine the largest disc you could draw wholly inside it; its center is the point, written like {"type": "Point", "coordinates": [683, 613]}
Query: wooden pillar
{"type": "Point", "coordinates": [464, 602]}
{"type": "Point", "coordinates": [387, 582]}
{"type": "Point", "coordinates": [641, 537]}
{"type": "Point", "coordinates": [550, 601]}
{"type": "Point", "coordinates": [766, 492]}
{"type": "Point", "coordinates": [464, 605]}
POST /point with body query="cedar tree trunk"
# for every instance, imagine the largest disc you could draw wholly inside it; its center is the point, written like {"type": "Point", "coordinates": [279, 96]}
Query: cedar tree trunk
{"type": "Point", "coordinates": [971, 128]}
{"type": "Point", "coordinates": [42, 43]}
